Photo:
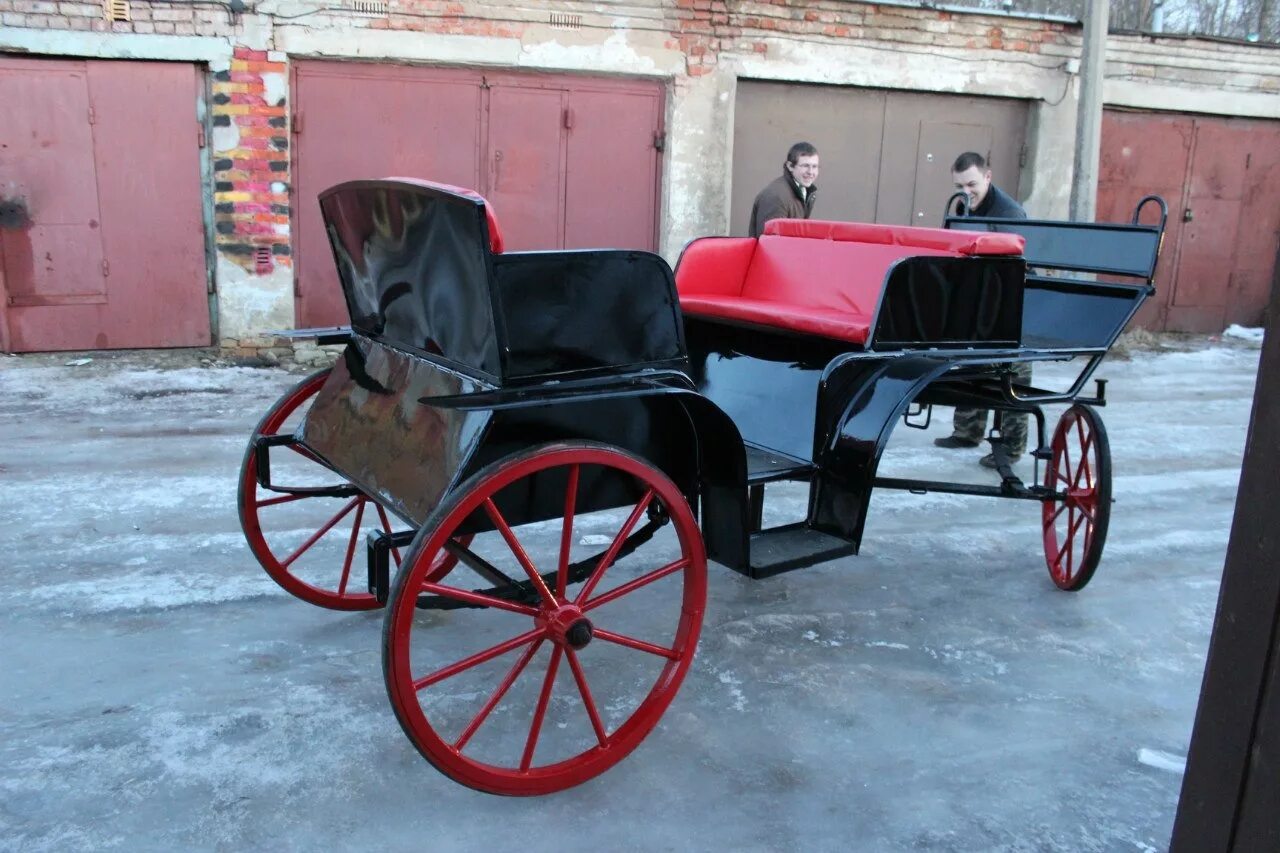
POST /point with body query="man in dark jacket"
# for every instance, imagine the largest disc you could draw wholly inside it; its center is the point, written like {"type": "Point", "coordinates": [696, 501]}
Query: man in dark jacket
{"type": "Point", "coordinates": [791, 195]}
{"type": "Point", "coordinates": [973, 177]}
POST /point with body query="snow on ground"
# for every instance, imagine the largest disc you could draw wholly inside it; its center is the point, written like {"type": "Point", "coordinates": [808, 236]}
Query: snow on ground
{"type": "Point", "coordinates": [934, 693]}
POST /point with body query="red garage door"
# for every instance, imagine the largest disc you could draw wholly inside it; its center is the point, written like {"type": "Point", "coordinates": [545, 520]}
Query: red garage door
{"type": "Point", "coordinates": [102, 241]}
{"type": "Point", "coordinates": [568, 162]}
{"type": "Point", "coordinates": [1221, 179]}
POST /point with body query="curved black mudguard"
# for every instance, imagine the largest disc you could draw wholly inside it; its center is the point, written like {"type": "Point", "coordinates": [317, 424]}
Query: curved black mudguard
{"type": "Point", "coordinates": [367, 424]}
{"type": "Point", "coordinates": [408, 430]}
{"type": "Point", "coordinates": [860, 399]}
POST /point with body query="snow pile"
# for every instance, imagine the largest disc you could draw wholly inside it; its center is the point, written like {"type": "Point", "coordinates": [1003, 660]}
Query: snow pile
{"type": "Point", "coordinates": [1244, 333]}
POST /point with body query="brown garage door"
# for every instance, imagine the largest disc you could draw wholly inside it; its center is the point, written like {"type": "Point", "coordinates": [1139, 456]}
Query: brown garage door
{"type": "Point", "coordinates": [568, 162]}
{"type": "Point", "coordinates": [886, 155]}
{"type": "Point", "coordinates": [1221, 180]}
{"type": "Point", "coordinates": [102, 241]}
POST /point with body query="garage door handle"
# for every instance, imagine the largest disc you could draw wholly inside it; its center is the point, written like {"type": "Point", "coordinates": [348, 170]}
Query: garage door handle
{"type": "Point", "coordinates": [497, 169]}
{"type": "Point", "coordinates": [1186, 215]}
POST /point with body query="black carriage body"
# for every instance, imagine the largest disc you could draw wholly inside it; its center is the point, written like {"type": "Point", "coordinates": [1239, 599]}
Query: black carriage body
{"type": "Point", "coordinates": [944, 331]}
{"type": "Point", "coordinates": [460, 355]}
{"type": "Point", "coordinates": [473, 375]}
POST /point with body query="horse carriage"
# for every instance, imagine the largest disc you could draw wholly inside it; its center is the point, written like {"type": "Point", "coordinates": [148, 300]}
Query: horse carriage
{"type": "Point", "coordinates": [534, 454]}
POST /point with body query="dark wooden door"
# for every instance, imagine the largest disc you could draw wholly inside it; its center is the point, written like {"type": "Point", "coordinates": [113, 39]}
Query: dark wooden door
{"type": "Point", "coordinates": [1221, 180]}
{"type": "Point", "coordinates": [1146, 155]}
{"type": "Point", "coordinates": [101, 249]}
{"type": "Point", "coordinates": [51, 245]}
{"type": "Point", "coordinates": [1210, 213]}
{"type": "Point", "coordinates": [153, 231]}
{"type": "Point", "coordinates": [612, 166]}
{"type": "Point", "coordinates": [567, 162]}
{"type": "Point", "coordinates": [937, 146]}
{"type": "Point", "coordinates": [357, 121]}
{"type": "Point", "coordinates": [526, 167]}
{"type": "Point", "coordinates": [886, 155]}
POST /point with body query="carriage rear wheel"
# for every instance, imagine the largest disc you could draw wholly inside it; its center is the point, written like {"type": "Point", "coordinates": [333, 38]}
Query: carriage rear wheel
{"type": "Point", "coordinates": [532, 694]}
{"type": "Point", "coordinates": [311, 545]}
{"type": "Point", "coordinates": [1075, 525]}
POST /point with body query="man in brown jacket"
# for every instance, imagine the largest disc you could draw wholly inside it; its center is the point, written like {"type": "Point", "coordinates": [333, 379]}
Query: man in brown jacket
{"type": "Point", "coordinates": [791, 195]}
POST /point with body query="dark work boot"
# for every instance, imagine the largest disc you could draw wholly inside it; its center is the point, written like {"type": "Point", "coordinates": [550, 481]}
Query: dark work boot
{"type": "Point", "coordinates": [952, 442]}
{"type": "Point", "coordinates": [989, 461]}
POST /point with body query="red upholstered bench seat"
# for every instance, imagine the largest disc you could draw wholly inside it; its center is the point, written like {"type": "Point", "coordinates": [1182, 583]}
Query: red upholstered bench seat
{"type": "Point", "coordinates": [813, 276]}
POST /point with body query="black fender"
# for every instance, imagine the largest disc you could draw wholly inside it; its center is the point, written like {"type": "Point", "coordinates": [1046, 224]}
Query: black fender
{"type": "Point", "coordinates": [860, 401]}
{"type": "Point", "coordinates": [674, 428]}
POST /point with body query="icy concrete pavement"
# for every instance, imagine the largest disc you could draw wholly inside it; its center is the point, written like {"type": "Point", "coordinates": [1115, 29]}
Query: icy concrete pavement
{"type": "Point", "coordinates": [934, 693]}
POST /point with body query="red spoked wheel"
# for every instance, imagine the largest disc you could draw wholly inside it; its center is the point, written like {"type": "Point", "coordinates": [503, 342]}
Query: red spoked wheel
{"type": "Point", "coordinates": [1075, 524]}
{"type": "Point", "coordinates": [308, 530]}
{"type": "Point", "coordinates": [529, 694]}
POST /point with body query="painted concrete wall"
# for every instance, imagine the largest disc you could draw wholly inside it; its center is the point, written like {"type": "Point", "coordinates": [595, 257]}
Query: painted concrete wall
{"type": "Point", "coordinates": [701, 48]}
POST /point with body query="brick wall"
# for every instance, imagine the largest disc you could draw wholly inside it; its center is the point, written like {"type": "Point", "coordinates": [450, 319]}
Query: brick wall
{"type": "Point", "coordinates": [177, 18]}
{"type": "Point", "coordinates": [251, 161]}
{"type": "Point", "coordinates": [1194, 63]}
{"type": "Point", "coordinates": [706, 29]}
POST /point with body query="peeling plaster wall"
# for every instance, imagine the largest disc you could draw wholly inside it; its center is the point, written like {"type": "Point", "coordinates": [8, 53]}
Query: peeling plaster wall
{"type": "Point", "coordinates": [700, 48]}
{"type": "Point", "coordinates": [251, 304]}
{"type": "Point", "coordinates": [696, 183]}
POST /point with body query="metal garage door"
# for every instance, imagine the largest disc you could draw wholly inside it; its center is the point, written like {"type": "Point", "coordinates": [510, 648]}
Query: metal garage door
{"type": "Point", "coordinates": [886, 155]}
{"type": "Point", "coordinates": [102, 239]}
{"type": "Point", "coordinates": [1221, 179]}
{"type": "Point", "coordinates": [568, 162]}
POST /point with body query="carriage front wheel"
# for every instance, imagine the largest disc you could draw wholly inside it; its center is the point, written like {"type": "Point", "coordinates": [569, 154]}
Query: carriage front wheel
{"type": "Point", "coordinates": [556, 673]}
{"type": "Point", "coordinates": [1075, 522]}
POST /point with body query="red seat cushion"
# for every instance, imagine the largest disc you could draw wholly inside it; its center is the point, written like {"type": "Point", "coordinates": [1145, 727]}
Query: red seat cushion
{"type": "Point", "coordinates": [840, 325]}
{"type": "Point", "coordinates": [823, 275]}
{"type": "Point", "coordinates": [814, 276]}
{"type": "Point", "coordinates": [960, 242]}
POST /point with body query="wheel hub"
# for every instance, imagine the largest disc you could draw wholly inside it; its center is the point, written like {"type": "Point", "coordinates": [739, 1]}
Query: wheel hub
{"type": "Point", "coordinates": [1081, 497]}
{"type": "Point", "coordinates": [567, 626]}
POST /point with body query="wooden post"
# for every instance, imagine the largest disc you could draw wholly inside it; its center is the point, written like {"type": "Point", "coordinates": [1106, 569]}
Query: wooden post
{"type": "Point", "coordinates": [1232, 785]}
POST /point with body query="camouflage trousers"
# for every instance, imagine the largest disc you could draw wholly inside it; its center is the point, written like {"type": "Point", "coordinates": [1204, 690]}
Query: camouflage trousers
{"type": "Point", "coordinates": [971, 424]}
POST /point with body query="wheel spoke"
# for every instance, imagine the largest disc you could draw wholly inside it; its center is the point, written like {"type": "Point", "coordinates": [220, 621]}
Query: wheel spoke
{"type": "Point", "coordinates": [351, 548]}
{"type": "Point", "coordinates": [284, 499]}
{"type": "Point", "coordinates": [1077, 523]}
{"type": "Point", "coordinates": [1072, 526]}
{"type": "Point", "coordinates": [581, 677]}
{"type": "Point", "coordinates": [322, 531]}
{"type": "Point", "coordinates": [632, 586]}
{"type": "Point", "coordinates": [386, 528]}
{"type": "Point", "coordinates": [1049, 522]}
{"type": "Point", "coordinates": [540, 712]}
{"type": "Point", "coordinates": [477, 659]}
{"type": "Point", "coordinates": [1084, 471]}
{"type": "Point", "coordinates": [478, 598]}
{"type": "Point", "coordinates": [566, 536]}
{"type": "Point", "coordinates": [510, 679]}
{"type": "Point", "coordinates": [1062, 551]}
{"type": "Point", "coordinates": [612, 553]}
{"type": "Point", "coordinates": [516, 548]}
{"type": "Point", "coordinates": [633, 643]}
